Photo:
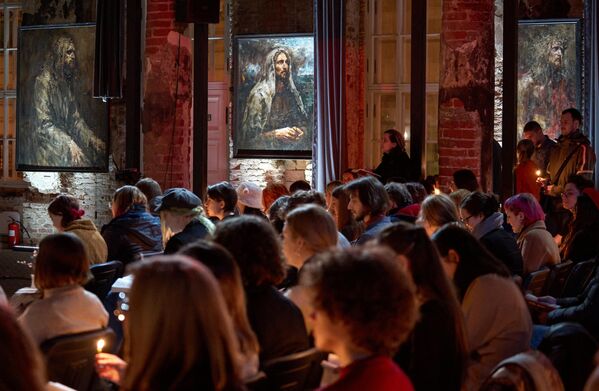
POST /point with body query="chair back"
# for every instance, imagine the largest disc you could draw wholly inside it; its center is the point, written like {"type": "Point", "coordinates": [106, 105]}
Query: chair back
{"type": "Point", "coordinates": [535, 282]}
{"type": "Point", "coordinates": [290, 373]}
{"type": "Point", "coordinates": [557, 278]}
{"type": "Point", "coordinates": [70, 358]}
{"type": "Point", "coordinates": [579, 277]}
{"type": "Point", "coordinates": [104, 275]}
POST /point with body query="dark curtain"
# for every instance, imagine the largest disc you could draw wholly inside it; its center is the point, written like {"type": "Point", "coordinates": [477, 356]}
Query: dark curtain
{"type": "Point", "coordinates": [329, 144]}
{"type": "Point", "coordinates": [109, 49]}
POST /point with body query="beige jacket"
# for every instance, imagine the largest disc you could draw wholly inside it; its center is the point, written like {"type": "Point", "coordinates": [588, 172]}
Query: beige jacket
{"type": "Point", "coordinates": [538, 247]}
{"type": "Point", "coordinates": [498, 325]}
{"type": "Point", "coordinates": [95, 246]}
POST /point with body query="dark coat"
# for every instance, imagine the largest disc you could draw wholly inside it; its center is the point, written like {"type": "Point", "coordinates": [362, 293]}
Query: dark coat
{"type": "Point", "coordinates": [431, 356]}
{"type": "Point", "coordinates": [277, 322]}
{"type": "Point", "coordinates": [395, 163]}
{"type": "Point", "coordinates": [503, 246]}
{"type": "Point", "coordinates": [132, 233]}
{"type": "Point", "coordinates": [585, 245]}
{"type": "Point", "coordinates": [581, 161]}
{"type": "Point", "coordinates": [193, 231]}
{"type": "Point", "coordinates": [583, 309]}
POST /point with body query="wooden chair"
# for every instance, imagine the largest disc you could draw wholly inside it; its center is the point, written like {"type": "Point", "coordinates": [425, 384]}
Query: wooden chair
{"type": "Point", "coordinates": [579, 277]}
{"type": "Point", "coordinates": [291, 372]}
{"type": "Point", "coordinates": [557, 278]}
{"type": "Point", "coordinates": [70, 358]}
{"type": "Point", "coordinates": [535, 282]}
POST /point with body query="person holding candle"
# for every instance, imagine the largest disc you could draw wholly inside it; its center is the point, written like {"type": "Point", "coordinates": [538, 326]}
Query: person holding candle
{"type": "Point", "coordinates": [175, 347]}
{"type": "Point", "coordinates": [527, 172]}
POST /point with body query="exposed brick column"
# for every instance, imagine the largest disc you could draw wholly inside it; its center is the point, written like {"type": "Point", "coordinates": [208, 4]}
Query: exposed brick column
{"type": "Point", "coordinates": [166, 152]}
{"type": "Point", "coordinates": [466, 90]}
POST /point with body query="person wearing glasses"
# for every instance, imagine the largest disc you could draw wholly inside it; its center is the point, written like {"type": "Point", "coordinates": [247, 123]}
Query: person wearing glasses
{"type": "Point", "coordinates": [480, 214]}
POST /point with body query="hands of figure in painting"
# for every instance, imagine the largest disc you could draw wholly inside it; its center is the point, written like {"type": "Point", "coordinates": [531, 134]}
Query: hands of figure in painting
{"type": "Point", "coordinates": [288, 134]}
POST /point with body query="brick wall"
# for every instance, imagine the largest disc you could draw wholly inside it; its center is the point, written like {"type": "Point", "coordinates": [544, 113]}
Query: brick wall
{"type": "Point", "coordinates": [466, 91]}
{"type": "Point", "coordinates": [167, 98]}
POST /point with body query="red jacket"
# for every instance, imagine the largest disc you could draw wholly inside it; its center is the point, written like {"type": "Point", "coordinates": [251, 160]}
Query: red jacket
{"type": "Point", "coordinates": [526, 179]}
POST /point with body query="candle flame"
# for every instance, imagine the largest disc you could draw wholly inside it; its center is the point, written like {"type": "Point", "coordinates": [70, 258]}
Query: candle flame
{"type": "Point", "coordinates": [437, 191]}
{"type": "Point", "coordinates": [538, 172]}
{"type": "Point", "coordinates": [100, 345]}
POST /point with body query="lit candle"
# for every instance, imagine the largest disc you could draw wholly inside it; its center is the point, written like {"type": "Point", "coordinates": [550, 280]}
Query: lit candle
{"type": "Point", "coordinates": [437, 191]}
{"type": "Point", "coordinates": [100, 345]}
{"type": "Point", "coordinates": [538, 172]}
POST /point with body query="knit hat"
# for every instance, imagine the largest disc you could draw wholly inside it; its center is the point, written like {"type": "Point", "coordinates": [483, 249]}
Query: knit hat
{"type": "Point", "coordinates": [250, 194]}
{"type": "Point", "coordinates": [177, 198]}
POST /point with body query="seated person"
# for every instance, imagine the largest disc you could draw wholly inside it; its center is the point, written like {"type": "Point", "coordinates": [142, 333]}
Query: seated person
{"type": "Point", "coordinates": [436, 211]}
{"type": "Point", "coordinates": [181, 214]}
{"type": "Point", "coordinates": [277, 322]}
{"type": "Point", "coordinates": [133, 229]}
{"type": "Point", "coordinates": [66, 214]}
{"type": "Point", "coordinates": [221, 201]}
{"type": "Point", "coordinates": [581, 244]}
{"type": "Point", "coordinates": [151, 190]}
{"type": "Point", "coordinates": [61, 266]}
{"type": "Point", "coordinates": [362, 322]}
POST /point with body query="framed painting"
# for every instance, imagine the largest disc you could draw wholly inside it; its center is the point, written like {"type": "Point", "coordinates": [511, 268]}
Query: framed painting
{"type": "Point", "coordinates": [273, 96]}
{"type": "Point", "coordinates": [60, 127]}
{"type": "Point", "coordinates": [549, 71]}
{"type": "Point", "coordinates": [45, 12]}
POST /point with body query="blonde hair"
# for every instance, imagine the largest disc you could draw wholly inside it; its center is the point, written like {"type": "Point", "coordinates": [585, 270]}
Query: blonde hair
{"type": "Point", "coordinates": [315, 225]}
{"type": "Point", "coordinates": [438, 210]}
{"type": "Point", "coordinates": [180, 334]}
{"type": "Point", "coordinates": [127, 196]}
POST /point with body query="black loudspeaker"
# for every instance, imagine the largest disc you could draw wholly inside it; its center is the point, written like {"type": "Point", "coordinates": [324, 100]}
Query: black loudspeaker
{"type": "Point", "coordinates": [197, 11]}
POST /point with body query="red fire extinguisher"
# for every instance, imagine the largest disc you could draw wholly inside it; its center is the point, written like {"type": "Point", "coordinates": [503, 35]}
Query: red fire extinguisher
{"type": "Point", "coordinates": [14, 233]}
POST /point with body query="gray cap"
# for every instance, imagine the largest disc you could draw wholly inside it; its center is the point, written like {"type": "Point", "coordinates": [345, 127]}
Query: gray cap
{"type": "Point", "coordinates": [177, 197]}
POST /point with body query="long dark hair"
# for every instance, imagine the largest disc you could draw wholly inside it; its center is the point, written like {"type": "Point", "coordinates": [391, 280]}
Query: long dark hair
{"type": "Point", "coordinates": [586, 214]}
{"type": "Point", "coordinates": [475, 259]}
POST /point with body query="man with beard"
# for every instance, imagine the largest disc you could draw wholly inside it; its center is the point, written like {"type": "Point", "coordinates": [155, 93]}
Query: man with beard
{"type": "Point", "coordinates": [546, 87]}
{"type": "Point", "coordinates": [274, 116]}
{"type": "Point", "coordinates": [368, 203]}
{"type": "Point", "coordinates": [61, 136]}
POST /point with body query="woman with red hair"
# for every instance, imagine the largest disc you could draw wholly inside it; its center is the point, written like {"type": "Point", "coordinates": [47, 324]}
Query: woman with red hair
{"type": "Point", "coordinates": [527, 219]}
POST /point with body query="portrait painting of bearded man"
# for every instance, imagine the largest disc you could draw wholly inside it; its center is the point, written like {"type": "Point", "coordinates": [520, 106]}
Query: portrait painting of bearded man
{"type": "Point", "coordinates": [60, 127]}
{"type": "Point", "coordinates": [274, 96]}
{"type": "Point", "coordinates": [548, 72]}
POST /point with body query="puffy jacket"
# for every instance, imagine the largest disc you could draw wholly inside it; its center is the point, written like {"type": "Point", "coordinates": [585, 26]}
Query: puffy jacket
{"type": "Point", "coordinates": [132, 233]}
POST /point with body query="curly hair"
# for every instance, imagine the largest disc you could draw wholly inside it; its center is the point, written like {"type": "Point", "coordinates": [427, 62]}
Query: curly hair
{"type": "Point", "coordinates": [366, 290]}
{"type": "Point", "coordinates": [254, 244]}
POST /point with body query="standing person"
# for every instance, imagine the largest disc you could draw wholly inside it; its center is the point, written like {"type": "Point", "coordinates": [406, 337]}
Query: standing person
{"type": "Point", "coordinates": [66, 216]}
{"type": "Point", "coordinates": [526, 170]}
{"type": "Point", "coordinates": [543, 145]}
{"type": "Point", "coordinates": [362, 322]}
{"type": "Point", "coordinates": [181, 213]}
{"type": "Point", "coordinates": [368, 202]}
{"type": "Point", "coordinates": [433, 357]}
{"type": "Point", "coordinates": [480, 213]}
{"type": "Point", "coordinates": [133, 229]}
{"type": "Point", "coordinates": [498, 323]}
{"type": "Point", "coordinates": [171, 346]}
{"type": "Point", "coordinates": [573, 153]}
{"type": "Point", "coordinates": [221, 201]}
{"type": "Point", "coordinates": [396, 162]}
{"type": "Point", "coordinates": [525, 215]}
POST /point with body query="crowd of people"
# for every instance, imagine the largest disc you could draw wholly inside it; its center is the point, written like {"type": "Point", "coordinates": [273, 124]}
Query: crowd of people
{"type": "Point", "coordinates": [399, 286]}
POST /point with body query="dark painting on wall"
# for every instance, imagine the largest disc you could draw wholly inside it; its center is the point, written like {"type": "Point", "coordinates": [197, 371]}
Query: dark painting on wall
{"type": "Point", "coordinates": [550, 9]}
{"type": "Point", "coordinates": [549, 71]}
{"type": "Point", "coordinates": [274, 96]}
{"type": "Point", "coordinates": [60, 127]}
{"type": "Point", "coordinates": [44, 12]}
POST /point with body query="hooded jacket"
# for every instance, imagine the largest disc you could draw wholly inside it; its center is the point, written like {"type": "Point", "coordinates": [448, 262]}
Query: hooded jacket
{"type": "Point", "coordinates": [132, 233]}
{"type": "Point", "coordinates": [95, 246]}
